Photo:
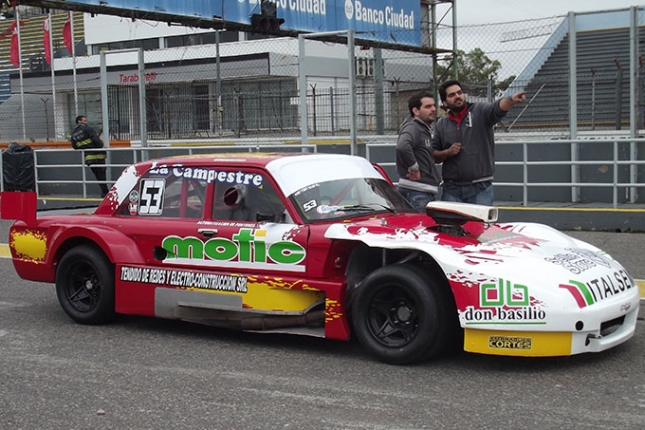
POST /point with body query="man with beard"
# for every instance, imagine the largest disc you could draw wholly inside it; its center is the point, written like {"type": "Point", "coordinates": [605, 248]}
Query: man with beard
{"type": "Point", "coordinates": [418, 175]}
{"type": "Point", "coordinates": [464, 142]}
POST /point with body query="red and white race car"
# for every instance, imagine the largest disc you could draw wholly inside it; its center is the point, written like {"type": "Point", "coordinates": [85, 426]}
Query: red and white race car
{"type": "Point", "coordinates": [322, 245]}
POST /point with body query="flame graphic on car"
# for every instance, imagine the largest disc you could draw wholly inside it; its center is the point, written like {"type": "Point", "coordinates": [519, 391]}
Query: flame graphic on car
{"type": "Point", "coordinates": [29, 245]}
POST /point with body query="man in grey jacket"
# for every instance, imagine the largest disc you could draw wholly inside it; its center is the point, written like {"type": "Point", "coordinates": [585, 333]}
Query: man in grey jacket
{"type": "Point", "coordinates": [464, 142]}
{"type": "Point", "coordinates": [418, 175]}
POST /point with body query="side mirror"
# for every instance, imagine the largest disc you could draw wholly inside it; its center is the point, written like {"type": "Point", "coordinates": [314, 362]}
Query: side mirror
{"type": "Point", "coordinates": [265, 216]}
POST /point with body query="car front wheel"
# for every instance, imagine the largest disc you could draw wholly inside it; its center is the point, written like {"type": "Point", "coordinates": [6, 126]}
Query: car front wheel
{"type": "Point", "coordinates": [402, 315]}
{"type": "Point", "coordinates": [85, 285]}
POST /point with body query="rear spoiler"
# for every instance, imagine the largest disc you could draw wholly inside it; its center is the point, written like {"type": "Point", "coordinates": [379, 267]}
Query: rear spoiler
{"type": "Point", "coordinates": [19, 205]}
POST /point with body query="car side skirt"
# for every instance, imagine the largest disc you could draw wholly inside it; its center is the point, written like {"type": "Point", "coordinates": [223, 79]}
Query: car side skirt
{"type": "Point", "coordinates": [205, 296]}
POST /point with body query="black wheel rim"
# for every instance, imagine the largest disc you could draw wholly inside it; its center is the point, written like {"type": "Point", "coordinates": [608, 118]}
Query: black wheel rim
{"type": "Point", "coordinates": [83, 288]}
{"type": "Point", "coordinates": [393, 316]}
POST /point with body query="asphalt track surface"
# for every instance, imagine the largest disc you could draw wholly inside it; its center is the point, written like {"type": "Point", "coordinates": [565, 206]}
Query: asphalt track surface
{"type": "Point", "coordinates": [143, 373]}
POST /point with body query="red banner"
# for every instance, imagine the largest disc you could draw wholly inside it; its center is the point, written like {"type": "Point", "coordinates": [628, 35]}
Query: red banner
{"type": "Point", "coordinates": [46, 44]}
{"type": "Point", "coordinates": [6, 33]}
{"type": "Point", "coordinates": [67, 34]}
{"type": "Point", "coordinates": [15, 50]}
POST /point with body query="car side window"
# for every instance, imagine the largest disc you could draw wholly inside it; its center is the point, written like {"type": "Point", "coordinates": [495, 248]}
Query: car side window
{"type": "Point", "coordinates": [184, 198]}
{"type": "Point", "coordinates": [253, 200]}
{"type": "Point", "coordinates": [167, 197]}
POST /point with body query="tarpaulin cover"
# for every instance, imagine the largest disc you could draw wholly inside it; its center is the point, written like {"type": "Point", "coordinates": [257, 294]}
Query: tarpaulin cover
{"type": "Point", "coordinates": [18, 168]}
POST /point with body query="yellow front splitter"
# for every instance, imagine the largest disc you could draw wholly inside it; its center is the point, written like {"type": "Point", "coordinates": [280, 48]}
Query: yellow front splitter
{"type": "Point", "coordinates": [518, 343]}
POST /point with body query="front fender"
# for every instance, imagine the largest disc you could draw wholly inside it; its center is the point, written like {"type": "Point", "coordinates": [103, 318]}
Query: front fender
{"type": "Point", "coordinates": [387, 238]}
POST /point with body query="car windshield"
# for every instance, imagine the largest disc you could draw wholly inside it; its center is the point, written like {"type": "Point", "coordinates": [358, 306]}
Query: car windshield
{"type": "Point", "coordinates": [346, 198]}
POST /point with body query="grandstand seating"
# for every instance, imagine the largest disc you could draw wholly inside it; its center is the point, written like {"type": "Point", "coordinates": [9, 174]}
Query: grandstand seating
{"type": "Point", "coordinates": [31, 41]}
{"type": "Point", "coordinates": [598, 55]}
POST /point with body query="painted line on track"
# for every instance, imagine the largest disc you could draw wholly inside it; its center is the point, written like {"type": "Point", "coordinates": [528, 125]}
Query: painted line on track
{"type": "Point", "coordinates": [6, 253]}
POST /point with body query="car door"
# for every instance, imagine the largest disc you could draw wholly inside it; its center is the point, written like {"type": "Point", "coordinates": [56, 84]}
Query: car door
{"type": "Point", "coordinates": [227, 244]}
{"type": "Point", "coordinates": [250, 229]}
{"type": "Point", "coordinates": [247, 257]}
{"type": "Point", "coordinates": [165, 202]}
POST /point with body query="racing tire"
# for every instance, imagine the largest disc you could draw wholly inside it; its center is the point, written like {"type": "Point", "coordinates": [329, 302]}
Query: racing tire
{"type": "Point", "coordinates": [85, 285]}
{"type": "Point", "coordinates": [401, 315]}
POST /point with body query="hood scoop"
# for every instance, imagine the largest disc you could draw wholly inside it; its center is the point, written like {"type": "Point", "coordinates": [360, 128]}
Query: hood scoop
{"type": "Point", "coordinates": [450, 216]}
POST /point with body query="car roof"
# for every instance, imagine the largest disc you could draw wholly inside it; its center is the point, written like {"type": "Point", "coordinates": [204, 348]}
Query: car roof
{"type": "Point", "coordinates": [247, 159]}
{"type": "Point", "coordinates": [287, 169]}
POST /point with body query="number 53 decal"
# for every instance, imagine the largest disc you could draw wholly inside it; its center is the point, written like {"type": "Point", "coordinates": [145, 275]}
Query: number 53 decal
{"type": "Point", "coordinates": [151, 200]}
{"type": "Point", "coordinates": [309, 205]}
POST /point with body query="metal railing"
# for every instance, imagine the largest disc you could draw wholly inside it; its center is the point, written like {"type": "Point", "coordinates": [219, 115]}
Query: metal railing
{"type": "Point", "coordinates": [51, 174]}
{"type": "Point", "coordinates": [632, 185]}
{"type": "Point", "coordinates": [570, 166]}
{"type": "Point", "coordinates": [530, 179]}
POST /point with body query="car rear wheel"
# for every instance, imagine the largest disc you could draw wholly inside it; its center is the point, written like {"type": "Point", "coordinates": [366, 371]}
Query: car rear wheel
{"type": "Point", "coordinates": [85, 285]}
{"type": "Point", "coordinates": [402, 315]}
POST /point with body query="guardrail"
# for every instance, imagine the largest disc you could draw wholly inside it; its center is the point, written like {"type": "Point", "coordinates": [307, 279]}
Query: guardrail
{"type": "Point", "coordinates": [521, 165]}
{"type": "Point", "coordinates": [47, 160]}
{"type": "Point", "coordinates": [624, 153]}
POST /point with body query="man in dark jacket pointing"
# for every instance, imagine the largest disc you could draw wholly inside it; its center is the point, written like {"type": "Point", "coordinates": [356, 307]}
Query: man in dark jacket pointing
{"type": "Point", "coordinates": [419, 178]}
{"type": "Point", "coordinates": [84, 137]}
{"type": "Point", "coordinates": [464, 142]}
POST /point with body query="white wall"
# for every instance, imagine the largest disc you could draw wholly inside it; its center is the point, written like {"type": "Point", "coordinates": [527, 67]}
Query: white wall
{"type": "Point", "coordinates": [107, 28]}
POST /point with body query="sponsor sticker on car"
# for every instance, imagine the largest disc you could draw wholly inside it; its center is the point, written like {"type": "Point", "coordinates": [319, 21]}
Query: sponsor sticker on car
{"type": "Point", "coordinates": [509, 342]}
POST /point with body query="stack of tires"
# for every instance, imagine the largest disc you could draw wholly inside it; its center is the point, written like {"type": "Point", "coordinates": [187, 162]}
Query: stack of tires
{"type": "Point", "coordinates": [18, 168]}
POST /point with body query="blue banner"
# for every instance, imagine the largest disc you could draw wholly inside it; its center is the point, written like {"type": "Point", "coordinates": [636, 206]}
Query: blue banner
{"type": "Point", "coordinates": [391, 21]}
{"type": "Point", "coordinates": [191, 8]}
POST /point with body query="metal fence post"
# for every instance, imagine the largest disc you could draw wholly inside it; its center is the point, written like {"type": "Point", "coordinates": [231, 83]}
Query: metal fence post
{"type": "Point", "coordinates": [104, 101]}
{"type": "Point", "coordinates": [331, 108]}
{"type": "Point", "coordinates": [378, 91]}
{"type": "Point", "coordinates": [619, 95]}
{"type": "Point", "coordinates": [302, 83]}
{"type": "Point", "coordinates": [593, 99]}
{"type": "Point", "coordinates": [352, 95]}
{"type": "Point", "coordinates": [573, 108]}
{"type": "Point", "coordinates": [633, 98]}
{"type": "Point", "coordinates": [313, 105]}
{"type": "Point", "coordinates": [143, 120]}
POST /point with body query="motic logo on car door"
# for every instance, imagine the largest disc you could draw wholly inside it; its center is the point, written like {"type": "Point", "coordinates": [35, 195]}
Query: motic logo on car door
{"type": "Point", "coordinates": [247, 248]}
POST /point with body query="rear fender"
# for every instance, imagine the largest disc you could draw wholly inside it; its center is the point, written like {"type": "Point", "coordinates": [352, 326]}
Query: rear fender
{"type": "Point", "coordinates": [118, 247]}
{"type": "Point", "coordinates": [36, 254]}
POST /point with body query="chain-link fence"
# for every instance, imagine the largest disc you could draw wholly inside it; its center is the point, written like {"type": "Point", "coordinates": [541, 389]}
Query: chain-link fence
{"type": "Point", "coordinates": [534, 56]}
{"type": "Point", "coordinates": [249, 87]}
